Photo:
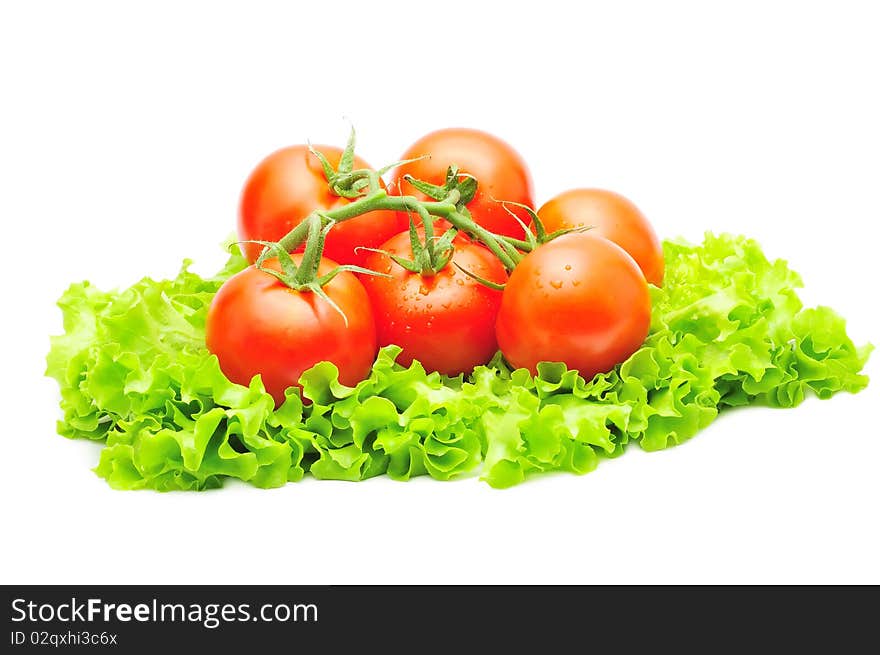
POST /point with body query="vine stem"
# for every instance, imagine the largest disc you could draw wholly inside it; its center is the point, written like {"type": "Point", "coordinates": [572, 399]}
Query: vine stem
{"type": "Point", "coordinates": [379, 200]}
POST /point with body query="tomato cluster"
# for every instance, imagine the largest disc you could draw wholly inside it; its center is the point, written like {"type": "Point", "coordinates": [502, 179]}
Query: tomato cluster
{"type": "Point", "coordinates": [579, 295]}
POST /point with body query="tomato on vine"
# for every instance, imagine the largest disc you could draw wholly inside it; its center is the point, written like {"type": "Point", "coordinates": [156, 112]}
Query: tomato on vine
{"type": "Point", "coordinates": [445, 320]}
{"type": "Point", "coordinates": [436, 290]}
{"type": "Point", "coordinates": [500, 170]}
{"type": "Point", "coordinates": [578, 299]}
{"type": "Point", "coordinates": [612, 216]}
{"type": "Point", "coordinates": [290, 184]}
{"type": "Point", "coordinates": [257, 324]}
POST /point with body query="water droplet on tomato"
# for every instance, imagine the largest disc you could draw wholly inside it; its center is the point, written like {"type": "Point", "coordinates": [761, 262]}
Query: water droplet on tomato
{"type": "Point", "coordinates": [423, 290]}
{"type": "Point", "coordinates": [575, 283]}
{"type": "Point", "coordinates": [459, 282]}
{"type": "Point", "coordinates": [568, 267]}
{"type": "Point", "coordinates": [556, 284]}
{"type": "Point", "coordinates": [445, 305]}
{"type": "Point", "coordinates": [429, 305]}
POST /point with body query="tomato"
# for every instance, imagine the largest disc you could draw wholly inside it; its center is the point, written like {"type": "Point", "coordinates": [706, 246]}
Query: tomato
{"type": "Point", "coordinates": [578, 299]}
{"type": "Point", "coordinates": [445, 321]}
{"type": "Point", "coordinates": [613, 217]}
{"type": "Point", "coordinates": [287, 186]}
{"type": "Point", "coordinates": [258, 325]}
{"type": "Point", "coordinates": [500, 172]}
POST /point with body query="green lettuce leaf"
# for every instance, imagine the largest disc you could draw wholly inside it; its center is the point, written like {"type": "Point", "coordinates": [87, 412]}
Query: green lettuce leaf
{"type": "Point", "coordinates": [727, 330]}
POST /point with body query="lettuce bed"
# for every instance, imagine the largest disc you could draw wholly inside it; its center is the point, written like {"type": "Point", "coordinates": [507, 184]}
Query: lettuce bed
{"type": "Point", "coordinates": [727, 330]}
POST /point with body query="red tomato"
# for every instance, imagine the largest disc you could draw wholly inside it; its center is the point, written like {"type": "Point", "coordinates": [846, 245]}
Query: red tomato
{"type": "Point", "coordinates": [579, 299]}
{"type": "Point", "coordinates": [258, 325]}
{"type": "Point", "coordinates": [613, 217]}
{"type": "Point", "coordinates": [287, 186]}
{"type": "Point", "coordinates": [446, 321]}
{"type": "Point", "coordinates": [500, 172]}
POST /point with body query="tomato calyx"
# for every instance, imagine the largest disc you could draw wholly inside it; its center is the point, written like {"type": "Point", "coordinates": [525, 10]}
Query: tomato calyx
{"type": "Point", "coordinates": [540, 235]}
{"type": "Point", "coordinates": [304, 277]}
{"type": "Point", "coordinates": [464, 183]}
{"type": "Point", "coordinates": [451, 201]}
{"type": "Point", "coordinates": [433, 254]}
{"type": "Point", "coordinates": [343, 180]}
{"type": "Point", "coordinates": [429, 257]}
{"type": "Point", "coordinates": [346, 182]}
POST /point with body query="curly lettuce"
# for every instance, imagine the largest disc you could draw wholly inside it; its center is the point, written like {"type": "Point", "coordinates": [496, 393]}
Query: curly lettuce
{"type": "Point", "coordinates": [727, 330]}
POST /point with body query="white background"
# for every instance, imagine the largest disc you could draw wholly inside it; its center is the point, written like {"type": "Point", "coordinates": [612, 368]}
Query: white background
{"type": "Point", "coordinates": [127, 131]}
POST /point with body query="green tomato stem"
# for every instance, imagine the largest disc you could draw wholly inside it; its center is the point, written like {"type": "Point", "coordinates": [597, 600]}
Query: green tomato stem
{"type": "Point", "coordinates": [313, 230]}
{"type": "Point", "coordinates": [519, 244]}
{"type": "Point", "coordinates": [297, 236]}
{"type": "Point", "coordinates": [311, 259]}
